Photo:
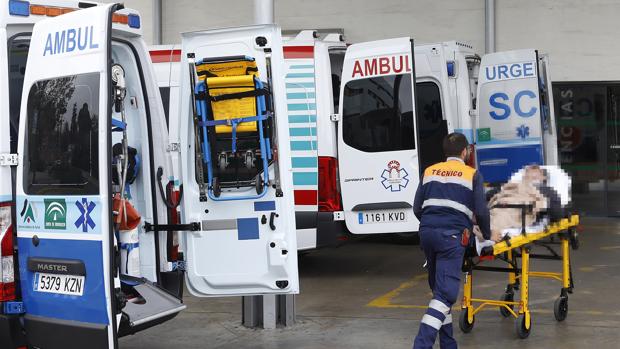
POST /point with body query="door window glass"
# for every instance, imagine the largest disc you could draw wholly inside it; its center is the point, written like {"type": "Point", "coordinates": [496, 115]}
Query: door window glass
{"type": "Point", "coordinates": [61, 141]}
{"type": "Point", "coordinates": [378, 114]}
{"type": "Point", "coordinates": [17, 55]}
{"type": "Point", "coordinates": [336, 60]}
{"type": "Point", "coordinates": [165, 99]}
{"type": "Point", "coordinates": [431, 125]}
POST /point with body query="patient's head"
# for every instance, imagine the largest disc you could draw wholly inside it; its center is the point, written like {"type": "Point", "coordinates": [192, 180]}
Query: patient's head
{"type": "Point", "coordinates": [534, 174]}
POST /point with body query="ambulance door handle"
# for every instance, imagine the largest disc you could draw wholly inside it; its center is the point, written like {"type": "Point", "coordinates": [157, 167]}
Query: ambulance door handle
{"type": "Point", "coordinates": [271, 219]}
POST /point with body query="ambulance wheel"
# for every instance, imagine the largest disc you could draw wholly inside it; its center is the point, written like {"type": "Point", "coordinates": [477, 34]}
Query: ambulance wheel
{"type": "Point", "coordinates": [259, 185]}
{"type": "Point", "coordinates": [507, 297]}
{"type": "Point", "coordinates": [464, 324]}
{"type": "Point", "coordinates": [217, 190]}
{"type": "Point", "coordinates": [522, 330]}
{"type": "Point", "coordinates": [560, 308]}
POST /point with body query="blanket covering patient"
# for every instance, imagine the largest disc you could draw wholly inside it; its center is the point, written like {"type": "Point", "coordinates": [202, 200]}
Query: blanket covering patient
{"type": "Point", "coordinates": [532, 189]}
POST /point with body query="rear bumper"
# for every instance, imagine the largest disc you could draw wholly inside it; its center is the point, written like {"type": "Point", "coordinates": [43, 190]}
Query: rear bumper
{"type": "Point", "coordinates": [11, 335]}
{"type": "Point", "coordinates": [61, 334]}
{"type": "Point", "coordinates": [328, 231]}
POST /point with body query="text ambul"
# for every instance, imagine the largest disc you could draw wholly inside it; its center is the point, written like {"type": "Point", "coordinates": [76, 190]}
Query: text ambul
{"type": "Point", "coordinates": [382, 66]}
{"type": "Point", "coordinates": [69, 40]}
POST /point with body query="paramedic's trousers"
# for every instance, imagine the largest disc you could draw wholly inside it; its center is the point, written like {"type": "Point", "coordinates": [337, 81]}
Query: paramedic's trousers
{"type": "Point", "coordinates": [444, 255]}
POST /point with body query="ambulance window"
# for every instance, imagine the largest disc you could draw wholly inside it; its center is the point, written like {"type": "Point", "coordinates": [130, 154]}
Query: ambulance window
{"type": "Point", "coordinates": [432, 127]}
{"type": "Point", "coordinates": [62, 137]}
{"type": "Point", "coordinates": [336, 60]}
{"type": "Point", "coordinates": [165, 99]}
{"type": "Point", "coordinates": [378, 114]}
{"type": "Point", "coordinates": [17, 54]}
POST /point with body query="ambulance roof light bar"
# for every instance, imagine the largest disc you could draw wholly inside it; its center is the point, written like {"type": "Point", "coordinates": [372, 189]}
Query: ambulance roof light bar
{"type": "Point", "coordinates": [25, 9]}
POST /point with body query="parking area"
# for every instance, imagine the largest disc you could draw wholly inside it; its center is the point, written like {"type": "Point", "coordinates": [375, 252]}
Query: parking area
{"type": "Point", "coordinates": [372, 293]}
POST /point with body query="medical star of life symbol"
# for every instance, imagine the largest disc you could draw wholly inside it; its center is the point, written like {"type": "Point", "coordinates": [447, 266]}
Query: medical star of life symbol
{"type": "Point", "coordinates": [86, 208]}
{"type": "Point", "coordinates": [394, 177]}
{"type": "Point", "coordinates": [523, 131]}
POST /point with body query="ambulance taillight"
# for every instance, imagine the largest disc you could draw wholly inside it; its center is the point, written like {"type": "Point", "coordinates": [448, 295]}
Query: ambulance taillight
{"type": "Point", "coordinates": [329, 195]}
{"type": "Point", "coordinates": [7, 272]}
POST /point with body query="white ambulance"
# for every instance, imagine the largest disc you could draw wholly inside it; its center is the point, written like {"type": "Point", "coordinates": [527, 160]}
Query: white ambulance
{"type": "Point", "coordinates": [356, 164]}
{"type": "Point", "coordinates": [86, 226]}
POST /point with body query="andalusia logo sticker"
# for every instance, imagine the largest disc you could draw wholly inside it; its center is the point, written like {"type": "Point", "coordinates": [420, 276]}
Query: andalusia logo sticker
{"type": "Point", "coordinates": [55, 214]}
{"type": "Point", "coordinates": [27, 213]}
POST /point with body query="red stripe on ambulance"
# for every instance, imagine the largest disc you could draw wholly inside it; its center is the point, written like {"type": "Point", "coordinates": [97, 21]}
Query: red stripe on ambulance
{"type": "Point", "coordinates": [165, 56]}
{"type": "Point", "coordinates": [298, 52]}
{"type": "Point", "coordinates": [382, 66]}
{"type": "Point", "coordinates": [306, 197]}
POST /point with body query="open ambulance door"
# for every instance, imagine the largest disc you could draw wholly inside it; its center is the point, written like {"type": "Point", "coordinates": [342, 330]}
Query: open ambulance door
{"type": "Point", "coordinates": [514, 113]}
{"type": "Point", "coordinates": [66, 244]}
{"type": "Point", "coordinates": [238, 189]}
{"type": "Point", "coordinates": [377, 137]}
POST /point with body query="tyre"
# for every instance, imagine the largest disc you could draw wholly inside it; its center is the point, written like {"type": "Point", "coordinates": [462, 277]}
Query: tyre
{"type": "Point", "coordinates": [464, 324]}
{"type": "Point", "coordinates": [259, 185]}
{"type": "Point", "coordinates": [560, 308]}
{"type": "Point", "coordinates": [217, 190]}
{"type": "Point", "coordinates": [507, 297]}
{"type": "Point", "coordinates": [522, 330]}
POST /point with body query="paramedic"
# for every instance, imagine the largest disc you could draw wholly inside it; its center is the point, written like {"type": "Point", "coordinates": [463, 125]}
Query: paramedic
{"type": "Point", "coordinates": [450, 196]}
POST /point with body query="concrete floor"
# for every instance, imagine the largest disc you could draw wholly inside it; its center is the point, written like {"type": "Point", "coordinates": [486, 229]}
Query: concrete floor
{"type": "Point", "coordinates": [372, 293]}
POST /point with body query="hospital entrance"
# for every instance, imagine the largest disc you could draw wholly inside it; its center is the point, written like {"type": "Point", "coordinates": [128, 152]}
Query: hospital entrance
{"type": "Point", "coordinates": [588, 126]}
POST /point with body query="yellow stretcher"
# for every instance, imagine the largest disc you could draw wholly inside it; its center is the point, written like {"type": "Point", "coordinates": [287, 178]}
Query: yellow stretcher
{"type": "Point", "coordinates": [510, 250]}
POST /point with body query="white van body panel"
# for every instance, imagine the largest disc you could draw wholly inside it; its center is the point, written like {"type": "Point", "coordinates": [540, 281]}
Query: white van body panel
{"type": "Point", "coordinates": [219, 260]}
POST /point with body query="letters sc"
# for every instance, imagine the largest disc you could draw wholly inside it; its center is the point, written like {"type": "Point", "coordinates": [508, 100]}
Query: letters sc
{"type": "Point", "coordinates": [504, 103]}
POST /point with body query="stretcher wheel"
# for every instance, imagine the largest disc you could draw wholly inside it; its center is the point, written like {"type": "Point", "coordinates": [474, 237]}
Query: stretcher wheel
{"type": "Point", "coordinates": [217, 189]}
{"type": "Point", "coordinates": [507, 297]}
{"type": "Point", "coordinates": [560, 308]}
{"type": "Point", "coordinates": [259, 185]}
{"type": "Point", "coordinates": [522, 330]}
{"type": "Point", "coordinates": [464, 324]}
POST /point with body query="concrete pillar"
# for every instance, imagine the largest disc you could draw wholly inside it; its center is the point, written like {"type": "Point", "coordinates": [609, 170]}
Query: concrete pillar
{"type": "Point", "coordinates": [489, 26]}
{"type": "Point", "coordinates": [157, 22]}
{"type": "Point", "coordinates": [263, 11]}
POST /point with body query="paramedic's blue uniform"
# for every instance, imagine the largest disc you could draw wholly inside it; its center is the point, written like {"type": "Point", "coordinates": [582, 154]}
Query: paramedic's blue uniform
{"type": "Point", "coordinates": [450, 195]}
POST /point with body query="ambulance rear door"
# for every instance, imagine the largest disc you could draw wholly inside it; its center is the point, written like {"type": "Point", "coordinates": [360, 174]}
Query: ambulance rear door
{"type": "Point", "coordinates": [377, 140]}
{"type": "Point", "coordinates": [509, 129]}
{"type": "Point", "coordinates": [241, 243]}
{"type": "Point", "coordinates": [66, 244]}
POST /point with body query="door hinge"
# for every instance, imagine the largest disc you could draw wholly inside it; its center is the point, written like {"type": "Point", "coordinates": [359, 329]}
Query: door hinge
{"type": "Point", "coordinates": [473, 112]}
{"type": "Point", "coordinates": [7, 159]}
{"type": "Point", "coordinates": [334, 117]}
{"type": "Point", "coordinates": [195, 226]}
{"type": "Point", "coordinates": [173, 147]}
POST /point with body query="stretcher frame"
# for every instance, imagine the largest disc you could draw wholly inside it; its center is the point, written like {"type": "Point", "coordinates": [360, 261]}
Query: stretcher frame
{"type": "Point", "coordinates": [510, 250]}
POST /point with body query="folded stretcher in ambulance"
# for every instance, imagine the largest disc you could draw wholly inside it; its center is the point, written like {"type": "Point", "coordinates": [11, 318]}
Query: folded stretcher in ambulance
{"type": "Point", "coordinates": [234, 125]}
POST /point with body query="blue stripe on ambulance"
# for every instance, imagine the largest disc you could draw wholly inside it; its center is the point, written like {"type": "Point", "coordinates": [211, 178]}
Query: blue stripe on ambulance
{"type": "Point", "coordinates": [91, 306]}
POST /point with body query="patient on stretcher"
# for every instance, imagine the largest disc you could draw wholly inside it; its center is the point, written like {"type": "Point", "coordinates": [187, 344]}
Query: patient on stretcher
{"type": "Point", "coordinates": [545, 188]}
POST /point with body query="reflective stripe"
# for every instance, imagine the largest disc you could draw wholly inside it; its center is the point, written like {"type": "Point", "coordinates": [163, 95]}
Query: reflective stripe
{"type": "Point", "coordinates": [431, 321]}
{"type": "Point", "coordinates": [449, 203]}
{"type": "Point", "coordinates": [455, 180]}
{"type": "Point", "coordinates": [439, 306]}
{"type": "Point", "coordinates": [448, 319]}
